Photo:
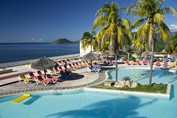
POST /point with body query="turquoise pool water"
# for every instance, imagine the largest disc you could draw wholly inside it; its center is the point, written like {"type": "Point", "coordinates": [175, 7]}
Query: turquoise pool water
{"type": "Point", "coordinates": [141, 74]}
{"type": "Point", "coordinates": [87, 104]}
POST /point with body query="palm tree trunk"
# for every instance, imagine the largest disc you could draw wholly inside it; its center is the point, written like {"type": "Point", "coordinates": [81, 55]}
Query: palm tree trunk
{"type": "Point", "coordinates": [116, 67]}
{"type": "Point", "coordinates": [152, 56]}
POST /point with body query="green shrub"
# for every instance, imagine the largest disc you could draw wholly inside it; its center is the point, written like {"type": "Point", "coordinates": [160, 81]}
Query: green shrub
{"type": "Point", "coordinates": [126, 78]}
{"type": "Point", "coordinates": [132, 58]}
{"type": "Point", "coordinates": [138, 53]}
{"type": "Point", "coordinates": [125, 58]}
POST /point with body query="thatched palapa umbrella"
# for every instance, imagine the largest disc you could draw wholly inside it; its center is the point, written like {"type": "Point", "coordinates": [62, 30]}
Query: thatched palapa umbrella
{"type": "Point", "coordinates": [90, 57]}
{"type": "Point", "coordinates": [43, 63]}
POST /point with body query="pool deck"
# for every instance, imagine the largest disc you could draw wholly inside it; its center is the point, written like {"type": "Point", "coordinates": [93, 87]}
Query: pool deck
{"type": "Point", "coordinates": [79, 79]}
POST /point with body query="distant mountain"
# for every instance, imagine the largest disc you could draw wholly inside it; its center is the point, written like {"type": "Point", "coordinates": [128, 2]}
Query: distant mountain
{"type": "Point", "coordinates": [62, 41]}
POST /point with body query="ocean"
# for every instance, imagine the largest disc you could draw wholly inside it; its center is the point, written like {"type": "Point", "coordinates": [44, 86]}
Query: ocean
{"type": "Point", "coordinates": [11, 52]}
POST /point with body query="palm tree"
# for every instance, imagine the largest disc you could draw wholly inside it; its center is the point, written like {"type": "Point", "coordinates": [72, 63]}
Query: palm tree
{"type": "Point", "coordinates": [114, 29]}
{"type": "Point", "coordinates": [171, 46]}
{"type": "Point", "coordinates": [88, 39]}
{"type": "Point", "coordinates": [151, 23]}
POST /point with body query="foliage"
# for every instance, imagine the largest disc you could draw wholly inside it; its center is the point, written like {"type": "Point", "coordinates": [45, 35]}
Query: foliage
{"type": "Point", "coordinates": [115, 31]}
{"type": "Point", "coordinates": [155, 88]}
{"type": "Point", "coordinates": [130, 58]}
{"type": "Point", "coordinates": [151, 23]}
{"type": "Point", "coordinates": [88, 39]}
{"type": "Point", "coordinates": [126, 78]}
{"type": "Point", "coordinates": [62, 41]}
{"type": "Point", "coordinates": [171, 47]}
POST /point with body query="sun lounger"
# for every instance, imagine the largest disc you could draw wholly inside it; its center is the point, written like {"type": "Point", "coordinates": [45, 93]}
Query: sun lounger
{"type": "Point", "coordinates": [53, 79]}
{"type": "Point", "coordinates": [157, 63]}
{"type": "Point", "coordinates": [132, 62]}
{"type": "Point", "coordinates": [34, 77]}
{"type": "Point", "coordinates": [172, 65]}
{"type": "Point", "coordinates": [127, 62]}
{"type": "Point", "coordinates": [138, 62]}
{"type": "Point", "coordinates": [43, 81]}
{"type": "Point", "coordinates": [165, 64]}
{"type": "Point", "coordinates": [40, 73]}
{"type": "Point", "coordinates": [92, 69]}
{"type": "Point", "coordinates": [144, 62]}
{"type": "Point", "coordinates": [56, 70]}
{"type": "Point", "coordinates": [23, 78]}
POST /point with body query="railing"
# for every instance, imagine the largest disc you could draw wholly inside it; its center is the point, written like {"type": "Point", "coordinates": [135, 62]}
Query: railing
{"type": "Point", "coordinates": [57, 91]}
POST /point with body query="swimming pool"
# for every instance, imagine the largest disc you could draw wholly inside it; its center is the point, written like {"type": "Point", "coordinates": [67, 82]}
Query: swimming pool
{"type": "Point", "coordinates": [88, 104]}
{"type": "Point", "coordinates": [141, 74]}
{"type": "Point", "coordinates": [93, 104]}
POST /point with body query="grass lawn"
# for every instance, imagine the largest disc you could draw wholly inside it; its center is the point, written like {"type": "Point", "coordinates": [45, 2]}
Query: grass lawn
{"type": "Point", "coordinates": [155, 88]}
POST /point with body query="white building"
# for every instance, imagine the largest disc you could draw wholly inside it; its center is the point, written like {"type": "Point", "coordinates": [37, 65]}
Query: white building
{"type": "Point", "coordinates": [83, 52]}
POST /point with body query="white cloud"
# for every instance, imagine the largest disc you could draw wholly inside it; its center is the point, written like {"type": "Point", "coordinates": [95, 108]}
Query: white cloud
{"type": "Point", "coordinates": [134, 30]}
{"type": "Point", "coordinates": [173, 27]}
{"type": "Point", "coordinates": [37, 40]}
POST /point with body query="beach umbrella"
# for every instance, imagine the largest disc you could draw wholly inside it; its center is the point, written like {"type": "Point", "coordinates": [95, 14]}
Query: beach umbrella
{"type": "Point", "coordinates": [43, 63]}
{"type": "Point", "coordinates": [91, 56]}
{"type": "Point", "coordinates": [107, 54]}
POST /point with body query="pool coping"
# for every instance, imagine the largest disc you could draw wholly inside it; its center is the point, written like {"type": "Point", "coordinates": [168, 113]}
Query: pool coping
{"type": "Point", "coordinates": [166, 95]}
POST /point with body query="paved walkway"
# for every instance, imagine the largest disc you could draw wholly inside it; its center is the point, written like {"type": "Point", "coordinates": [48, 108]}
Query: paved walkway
{"type": "Point", "coordinates": [80, 78]}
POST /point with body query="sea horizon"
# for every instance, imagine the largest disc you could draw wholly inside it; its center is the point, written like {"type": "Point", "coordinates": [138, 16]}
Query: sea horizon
{"type": "Point", "coordinates": [12, 52]}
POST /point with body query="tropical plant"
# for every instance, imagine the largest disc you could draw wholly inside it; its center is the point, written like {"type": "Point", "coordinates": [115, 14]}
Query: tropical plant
{"type": "Point", "coordinates": [113, 29]}
{"type": "Point", "coordinates": [171, 47]}
{"type": "Point", "coordinates": [88, 39]}
{"type": "Point", "coordinates": [151, 22]}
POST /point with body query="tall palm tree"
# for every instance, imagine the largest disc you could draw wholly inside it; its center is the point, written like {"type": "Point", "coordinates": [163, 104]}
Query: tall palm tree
{"type": "Point", "coordinates": [88, 39]}
{"type": "Point", "coordinates": [114, 29]}
{"type": "Point", "coordinates": [151, 22]}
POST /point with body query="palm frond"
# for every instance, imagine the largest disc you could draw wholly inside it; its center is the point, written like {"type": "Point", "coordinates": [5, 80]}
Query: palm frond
{"type": "Point", "coordinates": [158, 18]}
{"type": "Point", "coordinates": [129, 10]}
{"type": "Point", "coordinates": [164, 31]}
{"type": "Point", "coordinates": [100, 21]}
{"type": "Point", "coordinates": [168, 10]}
{"type": "Point", "coordinates": [138, 23]}
{"type": "Point", "coordinates": [125, 22]}
{"type": "Point", "coordinates": [102, 11]}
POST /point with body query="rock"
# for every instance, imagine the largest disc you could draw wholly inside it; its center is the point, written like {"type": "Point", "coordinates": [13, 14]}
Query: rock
{"type": "Point", "coordinates": [119, 84]}
{"type": "Point", "coordinates": [109, 83]}
{"type": "Point", "coordinates": [134, 85]}
{"type": "Point", "coordinates": [128, 83]}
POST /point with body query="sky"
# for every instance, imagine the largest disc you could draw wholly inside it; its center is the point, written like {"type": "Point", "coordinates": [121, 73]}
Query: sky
{"type": "Point", "coordinates": [28, 21]}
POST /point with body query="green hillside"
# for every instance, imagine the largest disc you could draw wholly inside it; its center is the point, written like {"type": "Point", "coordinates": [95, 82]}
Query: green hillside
{"type": "Point", "coordinates": [62, 41]}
